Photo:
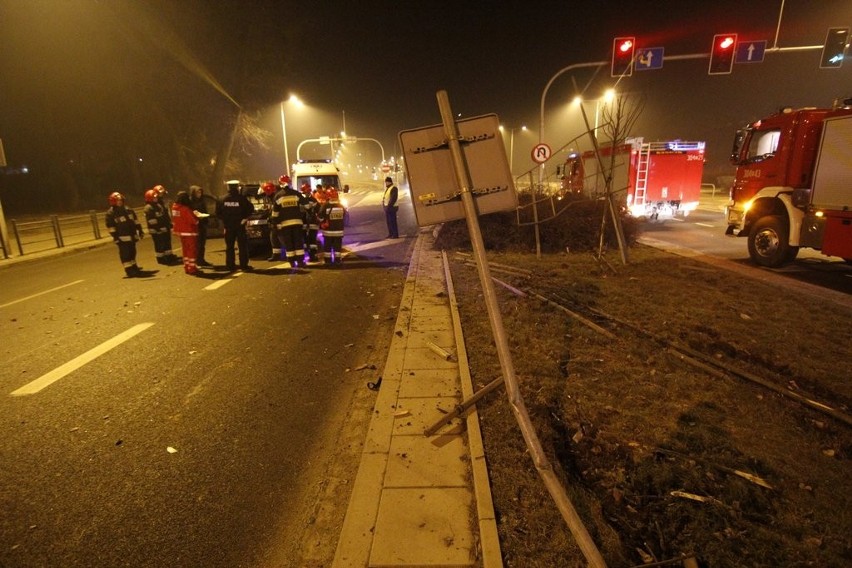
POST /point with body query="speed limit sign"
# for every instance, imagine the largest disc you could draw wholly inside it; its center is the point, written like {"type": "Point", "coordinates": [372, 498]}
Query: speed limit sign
{"type": "Point", "coordinates": [541, 153]}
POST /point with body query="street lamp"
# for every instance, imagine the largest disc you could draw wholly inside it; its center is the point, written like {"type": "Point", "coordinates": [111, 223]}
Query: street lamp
{"type": "Point", "coordinates": [608, 96]}
{"type": "Point", "coordinates": [298, 103]}
{"type": "Point", "coordinates": [511, 145]}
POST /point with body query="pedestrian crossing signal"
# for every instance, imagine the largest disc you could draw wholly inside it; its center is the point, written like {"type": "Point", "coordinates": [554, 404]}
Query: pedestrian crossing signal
{"type": "Point", "coordinates": [623, 49]}
{"type": "Point", "coordinates": [834, 48]}
{"type": "Point", "coordinates": [722, 54]}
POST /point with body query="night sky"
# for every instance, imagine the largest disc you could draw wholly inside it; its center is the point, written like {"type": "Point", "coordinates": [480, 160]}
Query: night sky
{"type": "Point", "coordinates": [89, 86]}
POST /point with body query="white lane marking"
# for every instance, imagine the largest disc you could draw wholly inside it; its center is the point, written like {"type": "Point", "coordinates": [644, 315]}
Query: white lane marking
{"type": "Point", "coordinates": [74, 364]}
{"type": "Point", "coordinates": [30, 297]}
{"type": "Point", "coordinates": [220, 283]}
{"type": "Point", "coordinates": [357, 247]}
{"type": "Point", "coordinates": [705, 225]}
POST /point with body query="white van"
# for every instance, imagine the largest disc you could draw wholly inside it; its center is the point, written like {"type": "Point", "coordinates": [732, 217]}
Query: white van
{"type": "Point", "coordinates": [312, 172]}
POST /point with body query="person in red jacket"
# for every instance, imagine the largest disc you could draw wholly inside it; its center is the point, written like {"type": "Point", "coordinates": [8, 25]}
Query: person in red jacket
{"type": "Point", "coordinates": [185, 225]}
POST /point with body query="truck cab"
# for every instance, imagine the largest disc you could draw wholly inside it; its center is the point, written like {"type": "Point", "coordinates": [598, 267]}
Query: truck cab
{"type": "Point", "coordinates": [778, 159]}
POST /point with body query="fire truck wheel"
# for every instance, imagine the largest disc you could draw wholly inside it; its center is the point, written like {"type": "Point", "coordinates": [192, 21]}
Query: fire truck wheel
{"type": "Point", "coordinates": [768, 243]}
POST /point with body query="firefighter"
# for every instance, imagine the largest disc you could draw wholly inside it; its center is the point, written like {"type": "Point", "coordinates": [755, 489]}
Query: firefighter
{"type": "Point", "coordinates": [159, 225]}
{"type": "Point", "coordinates": [234, 210]}
{"type": "Point", "coordinates": [267, 194]}
{"type": "Point", "coordinates": [319, 194]}
{"type": "Point", "coordinates": [186, 226]}
{"type": "Point", "coordinates": [289, 206]}
{"type": "Point", "coordinates": [331, 223]}
{"type": "Point", "coordinates": [125, 230]}
{"type": "Point", "coordinates": [311, 223]}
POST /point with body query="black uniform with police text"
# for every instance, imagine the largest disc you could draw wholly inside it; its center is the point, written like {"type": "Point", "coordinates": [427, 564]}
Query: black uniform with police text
{"type": "Point", "coordinates": [234, 209]}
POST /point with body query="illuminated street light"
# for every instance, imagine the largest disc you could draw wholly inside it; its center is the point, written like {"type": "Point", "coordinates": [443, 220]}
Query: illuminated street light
{"type": "Point", "coordinates": [293, 100]}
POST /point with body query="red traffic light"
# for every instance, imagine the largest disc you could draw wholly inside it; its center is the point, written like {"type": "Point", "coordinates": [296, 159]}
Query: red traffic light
{"type": "Point", "coordinates": [722, 54]}
{"type": "Point", "coordinates": [622, 56]}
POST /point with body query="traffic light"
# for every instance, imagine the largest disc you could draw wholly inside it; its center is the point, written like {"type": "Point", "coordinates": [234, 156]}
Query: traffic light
{"type": "Point", "coordinates": [834, 48]}
{"type": "Point", "coordinates": [622, 56]}
{"type": "Point", "coordinates": [722, 54]}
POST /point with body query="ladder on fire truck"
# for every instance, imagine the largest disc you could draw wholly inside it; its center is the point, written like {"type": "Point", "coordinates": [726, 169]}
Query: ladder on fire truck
{"type": "Point", "coordinates": [642, 174]}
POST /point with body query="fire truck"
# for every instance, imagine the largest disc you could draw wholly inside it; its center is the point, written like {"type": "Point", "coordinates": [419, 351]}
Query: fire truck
{"type": "Point", "coordinates": [793, 185]}
{"type": "Point", "coordinates": [660, 178]}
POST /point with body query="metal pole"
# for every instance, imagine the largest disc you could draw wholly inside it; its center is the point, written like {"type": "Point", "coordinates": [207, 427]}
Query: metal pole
{"type": "Point", "coordinates": [284, 133]}
{"type": "Point", "coordinates": [512, 152]}
{"type": "Point", "coordinates": [557, 492]}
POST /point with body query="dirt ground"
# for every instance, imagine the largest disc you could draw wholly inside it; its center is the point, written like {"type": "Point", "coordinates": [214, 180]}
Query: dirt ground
{"type": "Point", "coordinates": [662, 458]}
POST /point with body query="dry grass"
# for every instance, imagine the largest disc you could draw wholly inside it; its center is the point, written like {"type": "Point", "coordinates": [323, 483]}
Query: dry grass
{"type": "Point", "coordinates": [626, 424]}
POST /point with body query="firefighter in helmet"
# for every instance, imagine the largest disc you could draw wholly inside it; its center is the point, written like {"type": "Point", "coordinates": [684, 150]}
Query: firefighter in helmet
{"type": "Point", "coordinates": [159, 225]}
{"type": "Point", "coordinates": [125, 230]}
{"type": "Point", "coordinates": [331, 217]}
{"type": "Point", "coordinates": [311, 222]}
{"type": "Point", "coordinates": [267, 194]}
{"type": "Point", "coordinates": [288, 207]}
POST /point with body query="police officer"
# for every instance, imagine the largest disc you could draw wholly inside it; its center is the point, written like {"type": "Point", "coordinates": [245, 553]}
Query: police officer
{"type": "Point", "coordinates": [389, 203]}
{"type": "Point", "coordinates": [159, 225]}
{"type": "Point", "coordinates": [289, 206]}
{"type": "Point", "coordinates": [125, 230]}
{"type": "Point", "coordinates": [233, 210]}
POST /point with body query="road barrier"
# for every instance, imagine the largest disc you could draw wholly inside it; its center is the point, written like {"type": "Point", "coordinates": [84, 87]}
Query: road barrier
{"type": "Point", "coordinates": [56, 232]}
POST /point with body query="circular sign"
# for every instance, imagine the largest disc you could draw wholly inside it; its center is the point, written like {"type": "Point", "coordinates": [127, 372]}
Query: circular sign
{"type": "Point", "coordinates": [385, 168]}
{"type": "Point", "coordinates": [541, 153]}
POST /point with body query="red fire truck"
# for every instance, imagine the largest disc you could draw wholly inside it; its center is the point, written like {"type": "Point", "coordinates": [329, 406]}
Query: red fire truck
{"type": "Point", "coordinates": [793, 186]}
{"type": "Point", "coordinates": [660, 178]}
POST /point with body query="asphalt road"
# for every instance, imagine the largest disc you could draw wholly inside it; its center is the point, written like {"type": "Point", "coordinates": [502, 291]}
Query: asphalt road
{"type": "Point", "coordinates": [180, 421]}
{"type": "Point", "coordinates": [703, 231]}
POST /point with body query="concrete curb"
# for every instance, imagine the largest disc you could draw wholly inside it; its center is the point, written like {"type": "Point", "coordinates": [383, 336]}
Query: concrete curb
{"type": "Point", "coordinates": [419, 501]}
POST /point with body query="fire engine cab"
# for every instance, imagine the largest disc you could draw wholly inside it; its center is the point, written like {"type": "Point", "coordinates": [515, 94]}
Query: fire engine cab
{"type": "Point", "coordinates": [793, 186]}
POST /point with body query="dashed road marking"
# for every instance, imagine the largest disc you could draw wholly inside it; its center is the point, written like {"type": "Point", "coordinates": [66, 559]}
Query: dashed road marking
{"type": "Point", "coordinates": [31, 296]}
{"type": "Point", "coordinates": [74, 364]}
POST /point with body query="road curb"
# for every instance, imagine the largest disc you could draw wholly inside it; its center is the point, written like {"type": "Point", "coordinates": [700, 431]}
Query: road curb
{"type": "Point", "coordinates": [417, 500]}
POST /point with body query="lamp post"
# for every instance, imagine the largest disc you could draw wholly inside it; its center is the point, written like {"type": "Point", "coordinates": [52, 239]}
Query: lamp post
{"type": "Point", "coordinates": [512, 145]}
{"type": "Point", "coordinates": [295, 100]}
{"type": "Point", "coordinates": [608, 96]}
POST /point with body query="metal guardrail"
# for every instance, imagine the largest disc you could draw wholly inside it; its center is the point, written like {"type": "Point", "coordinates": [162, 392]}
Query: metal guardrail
{"type": "Point", "coordinates": [55, 232]}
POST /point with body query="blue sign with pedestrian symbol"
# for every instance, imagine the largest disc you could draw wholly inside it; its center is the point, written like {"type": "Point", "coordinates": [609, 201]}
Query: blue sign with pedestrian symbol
{"type": "Point", "coordinates": [750, 51]}
{"type": "Point", "coordinates": [649, 58]}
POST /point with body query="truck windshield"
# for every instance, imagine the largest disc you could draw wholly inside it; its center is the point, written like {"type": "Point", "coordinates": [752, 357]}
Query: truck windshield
{"type": "Point", "coordinates": [763, 144]}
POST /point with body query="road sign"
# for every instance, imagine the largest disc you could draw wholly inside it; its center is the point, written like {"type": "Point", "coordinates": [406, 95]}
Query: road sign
{"type": "Point", "coordinates": [385, 168]}
{"type": "Point", "coordinates": [834, 48]}
{"type": "Point", "coordinates": [750, 51]}
{"type": "Point", "coordinates": [541, 153]}
{"type": "Point", "coordinates": [435, 192]}
{"type": "Point", "coordinates": [649, 58]}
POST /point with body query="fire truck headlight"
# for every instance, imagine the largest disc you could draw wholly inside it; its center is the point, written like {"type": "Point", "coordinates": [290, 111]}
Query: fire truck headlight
{"type": "Point", "coordinates": [747, 206]}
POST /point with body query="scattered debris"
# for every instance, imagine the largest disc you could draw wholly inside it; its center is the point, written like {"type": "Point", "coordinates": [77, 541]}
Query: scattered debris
{"type": "Point", "coordinates": [171, 450]}
{"type": "Point", "coordinates": [375, 386]}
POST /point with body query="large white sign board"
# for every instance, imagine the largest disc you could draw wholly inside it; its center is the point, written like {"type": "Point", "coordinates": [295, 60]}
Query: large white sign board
{"type": "Point", "coordinates": [434, 189]}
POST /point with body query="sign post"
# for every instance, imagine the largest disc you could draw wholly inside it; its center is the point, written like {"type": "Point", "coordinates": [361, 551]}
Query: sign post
{"type": "Point", "coordinates": [4, 232]}
{"type": "Point", "coordinates": [464, 181]}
